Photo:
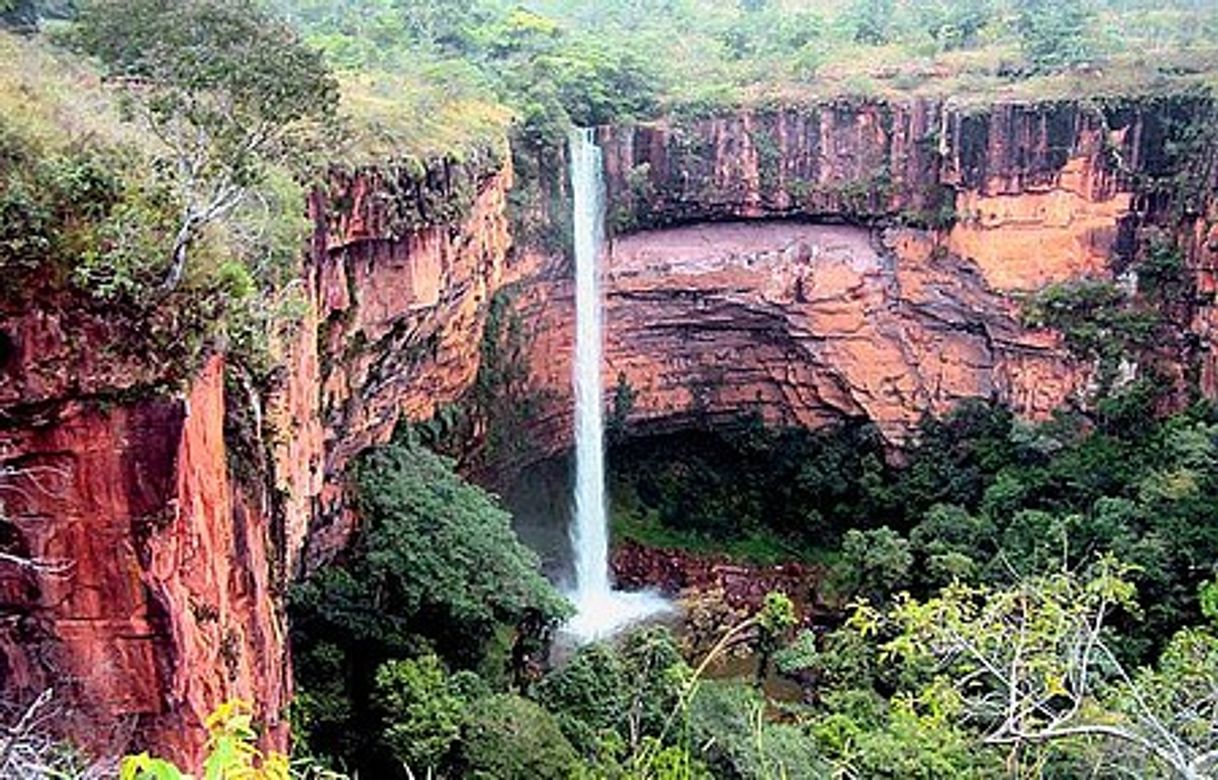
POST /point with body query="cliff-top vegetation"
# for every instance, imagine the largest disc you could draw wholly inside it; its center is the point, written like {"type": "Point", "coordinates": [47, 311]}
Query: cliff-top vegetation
{"type": "Point", "coordinates": [558, 61]}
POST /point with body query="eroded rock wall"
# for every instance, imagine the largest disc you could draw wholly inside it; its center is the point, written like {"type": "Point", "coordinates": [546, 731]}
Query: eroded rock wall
{"type": "Point", "coordinates": [177, 507]}
{"type": "Point", "coordinates": [151, 602]}
{"type": "Point", "coordinates": [804, 323]}
{"type": "Point", "coordinates": [400, 314]}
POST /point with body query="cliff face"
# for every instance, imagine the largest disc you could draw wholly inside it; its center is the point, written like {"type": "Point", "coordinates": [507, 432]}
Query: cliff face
{"type": "Point", "coordinates": [1030, 194]}
{"type": "Point", "coordinates": [400, 312]}
{"type": "Point", "coordinates": [708, 315]}
{"type": "Point", "coordinates": [154, 602]}
{"type": "Point", "coordinates": [803, 323]}
{"type": "Point", "coordinates": [177, 518]}
{"type": "Point", "coordinates": [728, 290]}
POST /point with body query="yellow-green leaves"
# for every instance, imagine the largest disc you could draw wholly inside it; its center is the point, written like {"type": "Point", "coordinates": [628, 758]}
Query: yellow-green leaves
{"type": "Point", "coordinates": [232, 754]}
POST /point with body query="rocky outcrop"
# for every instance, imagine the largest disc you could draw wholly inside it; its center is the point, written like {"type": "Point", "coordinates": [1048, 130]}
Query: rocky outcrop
{"type": "Point", "coordinates": [959, 214]}
{"type": "Point", "coordinates": [172, 514]}
{"type": "Point", "coordinates": [400, 311]}
{"type": "Point", "coordinates": [679, 572]}
{"type": "Point", "coordinates": [151, 600]}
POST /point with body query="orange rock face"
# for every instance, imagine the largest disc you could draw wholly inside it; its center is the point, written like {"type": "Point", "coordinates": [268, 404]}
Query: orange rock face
{"type": "Point", "coordinates": [165, 607]}
{"type": "Point", "coordinates": [1025, 242]}
{"type": "Point", "coordinates": [804, 323]}
{"type": "Point", "coordinates": [400, 324]}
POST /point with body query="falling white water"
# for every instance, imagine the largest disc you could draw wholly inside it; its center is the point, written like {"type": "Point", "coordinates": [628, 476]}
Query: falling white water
{"type": "Point", "coordinates": [600, 609]}
{"type": "Point", "coordinates": [589, 536]}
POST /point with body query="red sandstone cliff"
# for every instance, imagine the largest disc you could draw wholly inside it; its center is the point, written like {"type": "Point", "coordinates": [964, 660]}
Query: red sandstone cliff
{"type": "Point", "coordinates": [165, 607]}
{"type": "Point", "coordinates": [808, 323]}
{"type": "Point", "coordinates": [172, 600]}
{"type": "Point", "coordinates": [803, 323]}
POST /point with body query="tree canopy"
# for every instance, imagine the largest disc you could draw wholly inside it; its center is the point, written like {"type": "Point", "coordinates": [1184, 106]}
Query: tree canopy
{"type": "Point", "coordinates": [228, 90]}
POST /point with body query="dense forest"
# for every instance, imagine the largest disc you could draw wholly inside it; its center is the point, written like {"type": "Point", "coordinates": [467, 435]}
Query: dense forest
{"type": "Point", "coordinates": [997, 597]}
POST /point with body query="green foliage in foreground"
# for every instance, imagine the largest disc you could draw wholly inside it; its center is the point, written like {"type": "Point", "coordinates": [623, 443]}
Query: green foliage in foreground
{"type": "Point", "coordinates": [436, 581]}
{"type": "Point", "coordinates": [510, 736]}
{"type": "Point", "coordinates": [1031, 667]}
{"type": "Point", "coordinates": [982, 495]}
{"type": "Point", "coordinates": [232, 753]}
{"type": "Point", "coordinates": [1035, 656]}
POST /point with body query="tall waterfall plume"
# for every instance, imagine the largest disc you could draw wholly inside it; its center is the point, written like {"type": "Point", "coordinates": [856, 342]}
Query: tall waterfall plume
{"type": "Point", "coordinates": [589, 532]}
{"type": "Point", "coordinates": [600, 609]}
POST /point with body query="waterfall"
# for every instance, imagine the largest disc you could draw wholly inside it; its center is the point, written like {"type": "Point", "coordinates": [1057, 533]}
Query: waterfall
{"type": "Point", "coordinates": [589, 531]}
{"type": "Point", "coordinates": [600, 609]}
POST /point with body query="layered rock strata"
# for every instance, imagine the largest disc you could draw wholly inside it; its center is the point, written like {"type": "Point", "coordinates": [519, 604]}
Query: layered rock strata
{"type": "Point", "coordinates": [804, 323]}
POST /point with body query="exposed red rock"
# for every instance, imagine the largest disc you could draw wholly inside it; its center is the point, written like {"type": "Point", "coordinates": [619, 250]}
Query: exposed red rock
{"type": "Point", "coordinates": [744, 586]}
{"type": "Point", "coordinates": [399, 323]}
{"type": "Point", "coordinates": [166, 608]}
{"type": "Point", "coordinates": [804, 323]}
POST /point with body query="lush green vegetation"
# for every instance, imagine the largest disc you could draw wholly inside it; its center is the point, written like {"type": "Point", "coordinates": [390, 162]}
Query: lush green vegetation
{"type": "Point", "coordinates": [558, 61]}
{"type": "Point", "coordinates": [1064, 569]}
{"type": "Point", "coordinates": [435, 582]}
{"type": "Point", "coordinates": [759, 494]}
{"type": "Point", "coordinates": [982, 495]}
{"type": "Point", "coordinates": [168, 196]}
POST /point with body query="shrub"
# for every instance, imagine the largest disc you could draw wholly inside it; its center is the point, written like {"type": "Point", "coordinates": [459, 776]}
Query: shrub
{"type": "Point", "coordinates": [727, 724]}
{"type": "Point", "coordinates": [422, 711]}
{"type": "Point", "coordinates": [511, 738]}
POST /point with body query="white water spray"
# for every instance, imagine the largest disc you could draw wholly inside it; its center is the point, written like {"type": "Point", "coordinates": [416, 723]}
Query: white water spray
{"type": "Point", "coordinates": [600, 610]}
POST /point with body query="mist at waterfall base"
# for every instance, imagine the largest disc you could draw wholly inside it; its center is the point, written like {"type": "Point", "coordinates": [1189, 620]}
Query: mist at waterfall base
{"type": "Point", "coordinates": [600, 610]}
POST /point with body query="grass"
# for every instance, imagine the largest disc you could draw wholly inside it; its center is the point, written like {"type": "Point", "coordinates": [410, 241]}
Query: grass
{"type": "Point", "coordinates": [394, 116]}
{"type": "Point", "coordinates": [54, 99]}
{"type": "Point", "coordinates": [975, 77]}
{"type": "Point", "coordinates": [1142, 53]}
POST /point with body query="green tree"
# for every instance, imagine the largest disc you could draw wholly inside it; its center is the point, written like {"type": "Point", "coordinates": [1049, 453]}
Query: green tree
{"type": "Point", "coordinates": [437, 570]}
{"type": "Point", "coordinates": [1054, 34]}
{"type": "Point", "coordinates": [608, 696]}
{"type": "Point", "coordinates": [954, 24]}
{"type": "Point", "coordinates": [511, 738]}
{"type": "Point", "coordinates": [1032, 665]}
{"type": "Point", "coordinates": [422, 711]}
{"type": "Point", "coordinates": [727, 721]}
{"type": "Point", "coordinates": [950, 544]}
{"type": "Point", "coordinates": [874, 562]}
{"type": "Point", "coordinates": [227, 89]}
{"type": "Point", "coordinates": [437, 559]}
{"type": "Point", "coordinates": [869, 21]}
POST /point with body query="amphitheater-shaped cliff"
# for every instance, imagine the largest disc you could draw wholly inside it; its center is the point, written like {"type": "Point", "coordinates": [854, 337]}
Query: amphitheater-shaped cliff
{"type": "Point", "coordinates": [846, 259]}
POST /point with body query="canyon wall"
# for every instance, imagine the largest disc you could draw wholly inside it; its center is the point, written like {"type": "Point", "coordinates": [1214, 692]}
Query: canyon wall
{"type": "Point", "coordinates": [169, 516]}
{"type": "Point", "coordinates": [806, 324]}
{"type": "Point", "coordinates": [149, 599]}
{"type": "Point", "coordinates": [400, 304]}
{"type": "Point", "coordinates": [851, 259]}
{"type": "Point", "coordinates": [956, 217]}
